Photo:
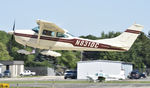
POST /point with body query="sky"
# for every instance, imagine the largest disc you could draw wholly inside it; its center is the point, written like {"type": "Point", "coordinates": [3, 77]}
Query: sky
{"type": "Point", "coordinates": [79, 17]}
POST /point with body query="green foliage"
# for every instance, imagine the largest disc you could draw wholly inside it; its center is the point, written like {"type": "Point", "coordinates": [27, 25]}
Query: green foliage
{"type": "Point", "coordinates": [69, 59]}
{"type": "Point", "coordinates": [4, 55]}
{"type": "Point", "coordinates": [89, 37]}
{"type": "Point", "coordinates": [138, 54]}
{"type": "Point", "coordinates": [109, 35]}
{"type": "Point", "coordinates": [37, 64]}
{"type": "Point", "coordinates": [4, 37]}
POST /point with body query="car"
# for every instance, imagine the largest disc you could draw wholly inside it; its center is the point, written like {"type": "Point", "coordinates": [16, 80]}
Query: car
{"type": "Point", "coordinates": [1, 75]}
{"type": "Point", "coordinates": [70, 74]}
{"type": "Point", "coordinates": [7, 73]}
{"type": "Point", "coordinates": [135, 74]}
{"type": "Point", "coordinates": [27, 73]}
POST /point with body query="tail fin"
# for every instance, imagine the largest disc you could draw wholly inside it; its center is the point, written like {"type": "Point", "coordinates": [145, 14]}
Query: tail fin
{"type": "Point", "coordinates": [126, 39]}
{"type": "Point", "coordinates": [129, 36]}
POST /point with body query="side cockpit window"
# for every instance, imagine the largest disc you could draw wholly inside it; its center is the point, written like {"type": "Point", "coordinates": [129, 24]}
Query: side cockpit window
{"type": "Point", "coordinates": [61, 35]}
{"type": "Point", "coordinates": [48, 33]}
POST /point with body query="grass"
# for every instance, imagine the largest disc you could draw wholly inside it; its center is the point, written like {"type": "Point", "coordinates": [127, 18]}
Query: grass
{"type": "Point", "coordinates": [28, 87]}
{"type": "Point", "coordinates": [128, 81]}
{"type": "Point", "coordinates": [30, 76]}
{"type": "Point", "coordinates": [23, 82]}
{"type": "Point", "coordinates": [15, 82]}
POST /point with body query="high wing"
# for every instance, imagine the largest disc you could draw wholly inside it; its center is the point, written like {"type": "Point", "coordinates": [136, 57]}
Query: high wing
{"type": "Point", "coordinates": [49, 26]}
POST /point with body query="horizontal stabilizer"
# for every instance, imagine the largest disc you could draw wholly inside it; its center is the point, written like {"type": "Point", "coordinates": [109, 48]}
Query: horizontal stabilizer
{"type": "Point", "coordinates": [50, 53]}
{"type": "Point", "coordinates": [22, 51]}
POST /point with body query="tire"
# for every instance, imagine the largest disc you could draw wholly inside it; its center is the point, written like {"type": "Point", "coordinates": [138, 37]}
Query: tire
{"type": "Point", "coordinates": [21, 75]}
{"type": "Point", "coordinates": [31, 74]}
{"type": "Point", "coordinates": [65, 77]}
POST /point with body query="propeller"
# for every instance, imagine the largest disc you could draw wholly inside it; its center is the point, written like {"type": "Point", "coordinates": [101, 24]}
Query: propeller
{"type": "Point", "coordinates": [12, 37]}
{"type": "Point", "coordinates": [14, 26]}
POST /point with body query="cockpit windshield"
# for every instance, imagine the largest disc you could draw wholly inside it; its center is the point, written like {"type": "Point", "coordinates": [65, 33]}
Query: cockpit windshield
{"type": "Point", "coordinates": [70, 34]}
{"type": "Point", "coordinates": [36, 29]}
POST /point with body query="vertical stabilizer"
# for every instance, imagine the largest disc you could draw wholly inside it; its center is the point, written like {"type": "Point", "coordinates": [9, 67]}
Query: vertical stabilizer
{"type": "Point", "coordinates": [126, 39]}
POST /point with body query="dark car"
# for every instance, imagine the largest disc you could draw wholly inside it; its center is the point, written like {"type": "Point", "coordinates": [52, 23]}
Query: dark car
{"type": "Point", "coordinates": [7, 73]}
{"type": "Point", "coordinates": [135, 74]}
{"type": "Point", "coordinates": [1, 75]}
{"type": "Point", "coordinates": [70, 74]}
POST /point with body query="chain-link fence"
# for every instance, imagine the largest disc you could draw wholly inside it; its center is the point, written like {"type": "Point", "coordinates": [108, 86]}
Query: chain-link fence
{"type": "Point", "coordinates": [147, 71]}
{"type": "Point", "coordinates": [42, 71]}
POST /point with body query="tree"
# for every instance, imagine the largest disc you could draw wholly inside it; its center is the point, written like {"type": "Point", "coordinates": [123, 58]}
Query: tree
{"type": "Point", "coordinates": [138, 54]}
{"type": "Point", "coordinates": [89, 37]}
{"type": "Point", "coordinates": [69, 59]}
{"type": "Point", "coordinates": [4, 37]}
{"type": "Point", "coordinates": [4, 55]}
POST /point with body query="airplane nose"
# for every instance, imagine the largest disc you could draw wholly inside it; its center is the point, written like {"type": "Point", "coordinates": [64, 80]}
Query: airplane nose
{"type": "Point", "coordinates": [11, 32]}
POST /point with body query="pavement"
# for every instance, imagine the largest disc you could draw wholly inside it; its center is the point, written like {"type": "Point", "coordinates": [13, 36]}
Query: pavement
{"type": "Point", "coordinates": [83, 85]}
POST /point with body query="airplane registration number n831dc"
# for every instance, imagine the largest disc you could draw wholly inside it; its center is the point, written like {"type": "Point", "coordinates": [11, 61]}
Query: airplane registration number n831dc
{"type": "Point", "coordinates": [84, 43]}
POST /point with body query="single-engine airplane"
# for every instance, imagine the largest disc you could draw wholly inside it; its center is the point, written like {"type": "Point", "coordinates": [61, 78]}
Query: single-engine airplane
{"type": "Point", "coordinates": [48, 36]}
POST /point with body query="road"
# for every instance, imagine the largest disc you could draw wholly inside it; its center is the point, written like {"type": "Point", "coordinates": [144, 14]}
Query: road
{"type": "Point", "coordinates": [84, 85]}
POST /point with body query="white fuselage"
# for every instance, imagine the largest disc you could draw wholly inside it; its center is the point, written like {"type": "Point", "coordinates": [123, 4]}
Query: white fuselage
{"type": "Point", "coordinates": [29, 38]}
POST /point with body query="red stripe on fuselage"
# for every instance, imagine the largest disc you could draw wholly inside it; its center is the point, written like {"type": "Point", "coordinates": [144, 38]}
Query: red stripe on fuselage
{"type": "Point", "coordinates": [75, 42]}
{"type": "Point", "coordinates": [92, 44]}
{"type": "Point", "coordinates": [133, 31]}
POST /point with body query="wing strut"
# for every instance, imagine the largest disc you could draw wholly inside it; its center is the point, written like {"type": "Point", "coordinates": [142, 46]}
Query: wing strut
{"type": "Point", "coordinates": [39, 35]}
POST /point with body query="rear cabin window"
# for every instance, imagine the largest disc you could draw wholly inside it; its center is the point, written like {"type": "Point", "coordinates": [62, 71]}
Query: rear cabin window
{"type": "Point", "coordinates": [61, 35]}
{"type": "Point", "coordinates": [48, 33]}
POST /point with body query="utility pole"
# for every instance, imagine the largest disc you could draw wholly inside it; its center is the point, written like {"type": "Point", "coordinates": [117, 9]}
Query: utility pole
{"type": "Point", "coordinates": [81, 56]}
